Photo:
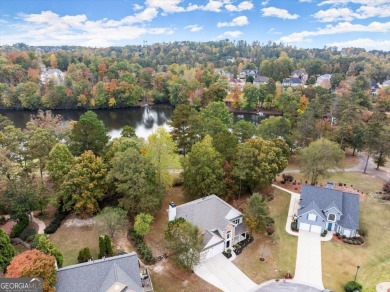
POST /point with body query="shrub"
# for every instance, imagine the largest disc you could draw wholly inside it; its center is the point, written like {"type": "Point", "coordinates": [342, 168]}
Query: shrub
{"type": "Point", "coordinates": [352, 286]}
{"type": "Point", "coordinates": [270, 230]}
{"type": "Point", "coordinates": [27, 232]}
{"type": "Point", "coordinates": [323, 234]}
{"type": "Point", "coordinates": [84, 255]}
{"type": "Point", "coordinates": [269, 220]}
{"type": "Point", "coordinates": [56, 223]}
{"type": "Point", "coordinates": [102, 247]}
{"type": "Point", "coordinates": [362, 232]}
{"type": "Point", "coordinates": [20, 226]}
{"type": "Point", "coordinates": [294, 226]}
{"type": "Point", "coordinates": [109, 251]}
{"type": "Point", "coordinates": [229, 251]}
{"type": "Point", "coordinates": [3, 220]}
{"type": "Point", "coordinates": [386, 188]}
{"type": "Point", "coordinates": [145, 252]}
{"type": "Point", "coordinates": [287, 178]}
{"type": "Point", "coordinates": [386, 197]}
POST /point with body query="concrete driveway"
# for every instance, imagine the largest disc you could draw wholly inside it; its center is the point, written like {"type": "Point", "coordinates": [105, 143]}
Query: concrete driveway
{"type": "Point", "coordinates": [223, 274]}
{"type": "Point", "coordinates": [308, 269]}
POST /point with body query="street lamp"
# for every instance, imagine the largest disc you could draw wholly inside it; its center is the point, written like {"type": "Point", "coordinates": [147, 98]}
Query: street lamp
{"type": "Point", "coordinates": [357, 269]}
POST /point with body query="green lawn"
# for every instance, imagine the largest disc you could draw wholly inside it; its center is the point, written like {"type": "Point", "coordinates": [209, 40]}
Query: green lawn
{"type": "Point", "coordinates": [360, 181]}
{"type": "Point", "coordinates": [339, 260]}
{"type": "Point", "coordinates": [279, 250]}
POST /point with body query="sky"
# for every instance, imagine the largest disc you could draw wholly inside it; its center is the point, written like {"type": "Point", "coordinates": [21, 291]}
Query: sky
{"type": "Point", "coordinates": [102, 23]}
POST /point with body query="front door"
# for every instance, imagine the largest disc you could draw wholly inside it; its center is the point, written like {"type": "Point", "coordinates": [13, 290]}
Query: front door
{"type": "Point", "coordinates": [330, 226]}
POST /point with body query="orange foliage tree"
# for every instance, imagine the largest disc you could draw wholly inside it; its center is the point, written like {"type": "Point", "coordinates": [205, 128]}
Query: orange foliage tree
{"type": "Point", "coordinates": [34, 264]}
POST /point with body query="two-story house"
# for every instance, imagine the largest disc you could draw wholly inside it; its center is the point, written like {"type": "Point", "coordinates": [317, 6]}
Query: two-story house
{"type": "Point", "coordinates": [328, 209]}
{"type": "Point", "coordinates": [222, 225]}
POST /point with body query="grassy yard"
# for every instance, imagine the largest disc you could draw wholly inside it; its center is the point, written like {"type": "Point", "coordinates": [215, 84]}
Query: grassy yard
{"type": "Point", "coordinates": [339, 260]}
{"type": "Point", "coordinates": [348, 161]}
{"type": "Point", "coordinates": [360, 181]}
{"type": "Point", "coordinates": [70, 240]}
{"type": "Point", "coordinates": [165, 276]}
{"type": "Point", "coordinates": [279, 250]}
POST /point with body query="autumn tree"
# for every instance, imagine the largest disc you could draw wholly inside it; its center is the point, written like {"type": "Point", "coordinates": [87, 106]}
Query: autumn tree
{"type": "Point", "coordinates": [142, 223]}
{"type": "Point", "coordinates": [113, 219]}
{"type": "Point", "coordinates": [39, 144]}
{"type": "Point", "coordinates": [256, 213]}
{"type": "Point", "coordinates": [202, 171]}
{"type": "Point", "coordinates": [160, 150]}
{"type": "Point", "coordinates": [59, 163]}
{"type": "Point", "coordinates": [83, 186]}
{"type": "Point", "coordinates": [320, 158]}
{"type": "Point", "coordinates": [89, 133]}
{"type": "Point", "coordinates": [184, 242]}
{"type": "Point", "coordinates": [128, 132]}
{"type": "Point", "coordinates": [53, 61]}
{"type": "Point", "coordinates": [34, 264]}
{"type": "Point", "coordinates": [244, 130]}
{"type": "Point", "coordinates": [134, 179]}
{"type": "Point", "coordinates": [43, 243]}
{"type": "Point", "coordinates": [7, 251]}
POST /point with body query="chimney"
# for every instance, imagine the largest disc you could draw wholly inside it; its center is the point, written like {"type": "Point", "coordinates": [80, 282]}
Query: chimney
{"type": "Point", "coordinates": [172, 211]}
{"type": "Point", "coordinates": [329, 185]}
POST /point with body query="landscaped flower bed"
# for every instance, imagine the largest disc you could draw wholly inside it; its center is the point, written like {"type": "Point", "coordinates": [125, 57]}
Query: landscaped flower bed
{"type": "Point", "coordinates": [239, 246]}
{"type": "Point", "coordinates": [227, 253]}
{"type": "Point", "coordinates": [357, 240]}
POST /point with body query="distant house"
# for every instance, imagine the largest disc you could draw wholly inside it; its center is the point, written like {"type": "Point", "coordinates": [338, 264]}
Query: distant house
{"type": "Point", "coordinates": [374, 88]}
{"type": "Point", "coordinates": [260, 80]}
{"type": "Point", "coordinates": [52, 74]}
{"type": "Point", "coordinates": [293, 82]}
{"type": "Point", "coordinates": [113, 274]}
{"type": "Point", "coordinates": [386, 83]}
{"type": "Point", "coordinates": [302, 75]}
{"type": "Point", "coordinates": [324, 81]}
{"type": "Point", "coordinates": [236, 82]}
{"type": "Point", "coordinates": [221, 224]}
{"type": "Point", "coordinates": [328, 209]}
{"type": "Point", "coordinates": [248, 72]}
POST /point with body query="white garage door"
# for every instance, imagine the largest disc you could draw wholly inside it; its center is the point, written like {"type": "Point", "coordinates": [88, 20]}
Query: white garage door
{"type": "Point", "coordinates": [315, 229]}
{"type": "Point", "coordinates": [347, 232]}
{"type": "Point", "coordinates": [212, 251]}
{"type": "Point", "coordinates": [304, 226]}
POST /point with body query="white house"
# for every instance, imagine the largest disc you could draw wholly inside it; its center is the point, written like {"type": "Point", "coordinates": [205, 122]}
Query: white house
{"type": "Point", "coordinates": [52, 74]}
{"type": "Point", "coordinates": [324, 81]}
{"type": "Point", "coordinates": [222, 225]}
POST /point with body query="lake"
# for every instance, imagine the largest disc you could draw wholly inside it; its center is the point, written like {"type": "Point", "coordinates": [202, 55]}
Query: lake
{"type": "Point", "coordinates": [143, 120]}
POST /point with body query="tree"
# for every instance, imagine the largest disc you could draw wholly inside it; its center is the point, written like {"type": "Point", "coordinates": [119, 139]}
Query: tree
{"type": "Point", "coordinates": [29, 95]}
{"type": "Point", "coordinates": [219, 111]}
{"type": "Point", "coordinates": [128, 132]}
{"type": "Point", "coordinates": [258, 161]}
{"type": "Point", "coordinates": [184, 130]}
{"type": "Point", "coordinates": [256, 213]}
{"type": "Point", "coordinates": [83, 186]}
{"type": "Point", "coordinates": [59, 163]}
{"type": "Point", "coordinates": [184, 242]}
{"type": "Point", "coordinates": [274, 127]}
{"type": "Point", "coordinates": [84, 255]}
{"type": "Point", "coordinates": [335, 80]}
{"type": "Point", "coordinates": [34, 264]}
{"type": "Point", "coordinates": [251, 95]}
{"type": "Point", "coordinates": [113, 219]}
{"type": "Point", "coordinates": [244, 130]}
{"type": "Point", "coordinates": [134, 178]}
{"type": "Point", "coordinates": [7, 251]}
{"type": "Point", "coordinates": [38, 145]}
{"type": "Point", "coordinates": [105, 248]}
{"type": "Point", "coordinates": [319, 158]}
{"type": "Point", "coordinates": [89, 133]}
{"type": "Point", "coordinates": [160, 150]}
{"type": "Point", "coordinates": [202, 171]}
{"type": "Point", "coordinates": [353, 286]}
{"type": "Point", "coordinates": [22, 196]}
{"type": "Point", "coordinates": [142, 223]}
{"type": "Point", "coordinates": [43, 243]}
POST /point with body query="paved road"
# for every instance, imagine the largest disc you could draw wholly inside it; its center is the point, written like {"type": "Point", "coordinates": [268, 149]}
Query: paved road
{"type": "Point", "coordinates": [288, 286]}
{"type": "Point", "coordinates": [223, 274]}
{"type": "Point", "coordinates": [308, 268]}
{"type": "Point", "coordinates": [383, 173]}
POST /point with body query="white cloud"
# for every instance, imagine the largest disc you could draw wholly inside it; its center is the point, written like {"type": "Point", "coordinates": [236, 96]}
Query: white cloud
{"type": "Point", "coordinates": [238, 21]}
{"type": "Point", "coordinates": [230, 34]}
{"type": "Point", "coordinates": [49, 28]}
{"type": "Point", "coordinates": [273, 31]}
{"type": "Point", "coordinates": [307, 1]}
{"type": "Point", "coordinates": [342, 27]}
{"type": "Point", "coordinates": [364, 43]}
{"type": "Point", "coordinates": [277, 12]}
{"type": "Point", "coordinates": [194, 27]}
{"type": "Point", "coordinates": [346, 14]}
{"type": "Point", "coordinates": [265, 3]}
{"type": "Point", "coordinates": [213, 5]}
{"type": "Point", "coordinates": [334, 14]}
{"type": "Point", "coordinates": [246, 5]}
{"type": "Point", "coordinates": [137, 7]}
{"type": "Point", "coordinates": [168, 6]}
{"type": "Point", "coordinates": [344, 2]}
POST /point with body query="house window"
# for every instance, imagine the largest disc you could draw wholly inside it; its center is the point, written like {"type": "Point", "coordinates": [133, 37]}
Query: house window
{"type": "Point", "coordinates": [331, 217]}
{"type": "Point", "coordinates": [228, 234]}
{"type": "Point", "coordinates": [236, 221]}
{"type": "Point", "coordinates": [312, 217]}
